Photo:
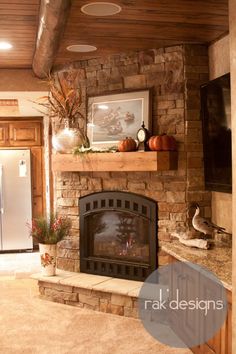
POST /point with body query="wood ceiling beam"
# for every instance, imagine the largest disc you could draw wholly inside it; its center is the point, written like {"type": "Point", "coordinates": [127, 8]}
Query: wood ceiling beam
{"type": "Point", "coordinates": [52, 20]}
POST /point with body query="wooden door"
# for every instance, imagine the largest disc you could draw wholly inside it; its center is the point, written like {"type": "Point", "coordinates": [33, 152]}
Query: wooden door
{"type": "Point", "coordinates": [25, 133]}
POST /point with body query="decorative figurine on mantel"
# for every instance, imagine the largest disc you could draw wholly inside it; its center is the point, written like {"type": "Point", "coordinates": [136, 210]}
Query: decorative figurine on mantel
{"type": "Point", "coordinates": [143, 135]}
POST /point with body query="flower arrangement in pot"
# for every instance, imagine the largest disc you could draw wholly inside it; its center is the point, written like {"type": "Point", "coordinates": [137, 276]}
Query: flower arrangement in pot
{"type": "Point", "coordinates": [48, 232]}
{"type": "Point", "coordinates": [64, 105]}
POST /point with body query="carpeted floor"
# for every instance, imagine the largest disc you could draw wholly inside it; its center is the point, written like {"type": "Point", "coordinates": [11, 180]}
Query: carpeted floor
{"type": "Point", "coordinates": [31, 325]}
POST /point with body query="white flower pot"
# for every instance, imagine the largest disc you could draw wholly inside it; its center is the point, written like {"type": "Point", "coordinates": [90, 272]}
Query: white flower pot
{"type": "Point", "coordinates": [48, 259]}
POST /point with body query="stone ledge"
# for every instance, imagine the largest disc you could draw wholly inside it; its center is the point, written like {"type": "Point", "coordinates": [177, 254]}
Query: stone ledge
{"type": "Point", "coordinates": [92, 282]}
{"type": "Point", "coordinates": [105, 294]}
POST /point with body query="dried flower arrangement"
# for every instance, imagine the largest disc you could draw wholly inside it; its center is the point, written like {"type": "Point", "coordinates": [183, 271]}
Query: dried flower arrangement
{"type": "Point", "coordinates": [64, 105]}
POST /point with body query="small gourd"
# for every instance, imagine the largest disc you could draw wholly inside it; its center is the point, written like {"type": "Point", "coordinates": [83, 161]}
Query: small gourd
{"type": "Point", "coordinates": [128, 144]}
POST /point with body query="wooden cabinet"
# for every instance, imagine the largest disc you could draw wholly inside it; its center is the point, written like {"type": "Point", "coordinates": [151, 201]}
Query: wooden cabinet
{"type": "Point", "coordinates": [186, 282]}
{"type": "Point", "coordinates": [24, 133]}
{"type": "Point", "coordinates": [228, 325]}
{"type": "Point", "coordinates": [212, 291]}
{"type": "Point", "coordinates": [3, 134]}
{"type": "Point", "coordinates": [221, 342]}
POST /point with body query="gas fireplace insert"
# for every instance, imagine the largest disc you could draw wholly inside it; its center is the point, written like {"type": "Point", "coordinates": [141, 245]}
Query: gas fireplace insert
{"type": "Point", "coordinates": [118, 235]}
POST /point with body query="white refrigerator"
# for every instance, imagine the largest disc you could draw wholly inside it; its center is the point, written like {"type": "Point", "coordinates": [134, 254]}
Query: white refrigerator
{"type": "Point", "coordinates": [15, 200]}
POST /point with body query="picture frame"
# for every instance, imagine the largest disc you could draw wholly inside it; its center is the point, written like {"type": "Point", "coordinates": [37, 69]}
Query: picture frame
{"type": "Point", "coordinates": [115, 116]}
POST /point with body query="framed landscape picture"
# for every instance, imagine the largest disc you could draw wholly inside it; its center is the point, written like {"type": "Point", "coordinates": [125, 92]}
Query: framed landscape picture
{"type": "Point", "coordinates": [114, 117]}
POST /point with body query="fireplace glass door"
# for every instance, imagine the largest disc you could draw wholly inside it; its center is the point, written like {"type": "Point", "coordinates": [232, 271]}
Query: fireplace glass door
{"type": "Point", "coordinates": [118, 235]}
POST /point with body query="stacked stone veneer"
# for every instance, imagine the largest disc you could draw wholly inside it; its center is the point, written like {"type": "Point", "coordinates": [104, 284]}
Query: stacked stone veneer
{"type": "Point", "coordinates": [103, 301]}
{"type": "Point", "coordinates": [175, 75]}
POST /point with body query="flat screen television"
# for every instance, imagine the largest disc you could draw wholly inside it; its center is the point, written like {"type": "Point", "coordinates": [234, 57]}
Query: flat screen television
{"type": "Point", "coordinates": [216, 122]}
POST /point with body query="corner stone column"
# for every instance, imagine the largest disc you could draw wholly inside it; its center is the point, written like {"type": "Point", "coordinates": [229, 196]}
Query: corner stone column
{"type": "Point", "coordinates": [196, 73]}
{"type": "Point", "coordinates": [232, 30]}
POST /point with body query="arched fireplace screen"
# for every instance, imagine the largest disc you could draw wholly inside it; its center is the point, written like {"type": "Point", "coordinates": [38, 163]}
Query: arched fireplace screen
{"type": "Point", "coordinates": [118, 235]}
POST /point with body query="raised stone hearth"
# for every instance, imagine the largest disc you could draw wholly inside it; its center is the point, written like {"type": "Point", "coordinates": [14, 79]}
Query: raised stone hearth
{"type": "Point", "coordinates": [105, 294]}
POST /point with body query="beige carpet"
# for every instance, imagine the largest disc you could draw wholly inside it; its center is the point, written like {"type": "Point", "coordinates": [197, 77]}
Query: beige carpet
{"type": "Point", "coordinates": [31, 325]}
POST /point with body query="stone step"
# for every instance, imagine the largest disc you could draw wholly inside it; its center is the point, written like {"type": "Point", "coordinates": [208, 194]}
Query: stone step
{"type": "Point", "coordinates": [105, 294]}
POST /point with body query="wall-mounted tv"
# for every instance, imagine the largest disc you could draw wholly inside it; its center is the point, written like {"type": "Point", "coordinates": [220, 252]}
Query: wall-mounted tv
{"type": "Point", "coordinates": [216, 121]}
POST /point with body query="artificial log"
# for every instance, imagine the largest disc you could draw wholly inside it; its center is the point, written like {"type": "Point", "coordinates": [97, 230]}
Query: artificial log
{"type": "Point", "coordinates": [195, 242]}
{"type": "Point", "coordinates": [52, 20]}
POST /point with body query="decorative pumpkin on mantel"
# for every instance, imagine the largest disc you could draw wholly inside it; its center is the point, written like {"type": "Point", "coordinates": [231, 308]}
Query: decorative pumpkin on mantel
{"type": "Point", "coordinates": [128, 144]}
{"type": "Point", "coordinates": [162, 143]}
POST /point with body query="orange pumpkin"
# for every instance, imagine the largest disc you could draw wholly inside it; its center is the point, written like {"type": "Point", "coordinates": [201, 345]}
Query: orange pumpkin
{"type": "Point", "coordinates": [162, 142]}
{"type": "Point", "coordinates": [128, 144]}
{"type": "Point", "coordinates": [155, 143]}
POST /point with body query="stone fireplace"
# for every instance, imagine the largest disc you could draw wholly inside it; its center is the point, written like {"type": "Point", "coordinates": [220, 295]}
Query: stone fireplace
{"type": "Point", "coordinates": [175, 75]}
{"type": "Point", "coordinates": [118, 235]}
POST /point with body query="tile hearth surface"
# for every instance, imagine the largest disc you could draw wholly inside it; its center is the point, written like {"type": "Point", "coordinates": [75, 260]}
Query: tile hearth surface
{"type": "Point", "coordinates": [93, 282]}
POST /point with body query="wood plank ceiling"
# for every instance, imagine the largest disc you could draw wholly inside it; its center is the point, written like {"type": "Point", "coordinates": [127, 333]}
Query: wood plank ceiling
{"type": "Point", "coordinates": [18, 25]}
{"type": "Point", "coordinates": [142, 24]}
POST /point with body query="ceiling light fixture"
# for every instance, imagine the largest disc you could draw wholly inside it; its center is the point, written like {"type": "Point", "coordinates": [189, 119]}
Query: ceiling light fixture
{"type": "Point", "coordinates": [5, 45]}
{"type": "Point", "coordinates": [101, 9]}
{"type": "Point", "coordinates": [81, 48]}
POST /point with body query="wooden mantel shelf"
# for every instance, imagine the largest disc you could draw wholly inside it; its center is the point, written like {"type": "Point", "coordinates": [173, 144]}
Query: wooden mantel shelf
{"type": "Point", "coordinates": [119, 161]}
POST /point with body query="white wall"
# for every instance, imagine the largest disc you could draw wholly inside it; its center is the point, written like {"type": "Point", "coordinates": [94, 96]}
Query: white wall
{"type": "Point", "coordinates": [219, 62]}
{"type": "Point", "coordinates": [25, 98]}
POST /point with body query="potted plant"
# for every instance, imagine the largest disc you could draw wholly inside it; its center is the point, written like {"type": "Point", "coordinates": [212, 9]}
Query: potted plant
{"type": "Point", "coordinates": [64, 105]}
{"type": "Point", "coordinates": [48, 232]}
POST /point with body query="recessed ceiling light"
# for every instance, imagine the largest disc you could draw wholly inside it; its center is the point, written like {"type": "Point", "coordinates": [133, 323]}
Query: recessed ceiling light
{"type": "Point", "coordinates": [81, 48]}
{"type": "Point", "coordinates": [5, 45]}
{"type": "Point", "coordinates": [101, 9]}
